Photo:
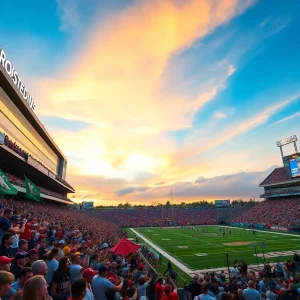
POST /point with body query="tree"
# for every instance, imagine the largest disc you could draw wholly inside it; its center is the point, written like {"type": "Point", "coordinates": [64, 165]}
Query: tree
{"type": "Point", "coordinates": [168, 203]}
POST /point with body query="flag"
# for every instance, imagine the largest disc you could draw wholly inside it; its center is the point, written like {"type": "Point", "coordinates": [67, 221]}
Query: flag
{"type": "Point", "coordinates": [5, 186]}
{"type": "Point", "coordinates": [32, 191]}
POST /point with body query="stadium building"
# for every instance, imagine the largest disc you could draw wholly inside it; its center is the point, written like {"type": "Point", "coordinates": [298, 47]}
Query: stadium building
{"type": "Point", "coordinates": [284, 182]}
{"type": "Point", "coordinates": [26, 148]}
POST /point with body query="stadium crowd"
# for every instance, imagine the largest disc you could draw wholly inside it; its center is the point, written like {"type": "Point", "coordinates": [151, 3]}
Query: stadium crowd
{"type": "Point", "coordinates": [284, 212]}
{"type": "Point", "coordinates": [54, 252]}
{"type": "Point", "coordinates": [153, 216]}
{"type": "Point", "coordinates": [14, 147]}
{"type": "Point", "coordinates": [17, 149]}
{"type": "Point", "coordinates": [280, 192]}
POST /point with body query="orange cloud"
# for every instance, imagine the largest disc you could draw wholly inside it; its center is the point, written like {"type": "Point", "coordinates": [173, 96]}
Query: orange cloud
{"type": "Point", "coordinates": [116, 85]}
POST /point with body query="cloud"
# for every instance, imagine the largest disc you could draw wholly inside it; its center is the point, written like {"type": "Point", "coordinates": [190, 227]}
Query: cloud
{"type": "Point", "coordinates": [116, 86]}
{"type": "Point", "coordinates": [116, 81]}
{"type": "Point", "coordinates": [242, 184]}
{"type": "Point", "coordinates": [131, 190]}
{"type": "Point", "coordinates": [67, 11]}
{"type": "Point", "coordinates": [288, 118]}
{"type": "Point", "coordinates": [219, 115]}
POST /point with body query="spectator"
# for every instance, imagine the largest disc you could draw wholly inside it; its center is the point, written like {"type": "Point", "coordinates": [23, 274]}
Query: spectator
{"type": "Point", "coordinates": [39, 267]}
{"type": "Point", "coordinates": [15, 226]}
{"type": "Point", "coordinates": [78, 266]}
{"type": "Point", "coordinates": [78, 290]}
{"type": "Point", "coordinates": [52, 264]}
{"type": "Point", "coordinates": [36, 289]}
{"type": "Point", "coordinates": [61, 280]}
{"type": "Point", "coordinates": [5, 223]}
{"type": "Point", "coordinates": [42, 246]}
{"type": "Point", "coordinates": [7, 241]}
{"type": "Point", "coordinates": [142, 285]}
{"type": "Point", "coordinates": [33, 255]}
{"type": "Point", "coordinates": [22, 246]}
{"type": "Point", "coordinates": [6, 279]}
{"type": "Point", "coordinates": [88, 274]}
{"type": "Point", "coordinates": [33, 240]}
{"type": "Point", "coordinates": [25, 274]}
{"type": "Point", "coordinates": [101, 284]}
{"type": "Point", "coordinates": [61, 245]}
{"type": "Point", "coordinates": [159, 289]}
{"type": "Point", "coordinates": [204, 295]}
{"type": "Point", "coordinates": [5, 263]}
{"type": "Point", "coordinates": [169, 295]}
{"type": "Point", "coordinates": [18, 264]}
{"type": "Point", "coordinates": [195, 287]}
{"type": "Point", "coordinates": [251, 293]}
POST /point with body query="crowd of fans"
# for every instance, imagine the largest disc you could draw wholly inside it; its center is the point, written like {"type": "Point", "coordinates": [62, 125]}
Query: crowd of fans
{"type": "Point", "coordinates": [284, 212]}
{"type": "Point", "coordinates": [280, 192]}
{"type": "Point", "coordinates": [14, 147]}
{"type": "Point", "coordinates": [156, 216]}
{"type": "Point", "coordinates": [278, 175]}
{"type": "Point", "coordinates": [54, 252]}
{"type": "Point", "coordinates": [20, 182]}
{"type": "Point", "coordinates": [271, 283]}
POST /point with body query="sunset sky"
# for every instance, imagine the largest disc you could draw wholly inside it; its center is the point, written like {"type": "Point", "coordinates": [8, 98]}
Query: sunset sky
{"type": "Point", "coordinates": [142, 95]}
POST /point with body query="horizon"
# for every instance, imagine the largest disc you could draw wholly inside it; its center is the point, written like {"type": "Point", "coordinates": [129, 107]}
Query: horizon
{"type": "Point", "coordinates": [145, 97]}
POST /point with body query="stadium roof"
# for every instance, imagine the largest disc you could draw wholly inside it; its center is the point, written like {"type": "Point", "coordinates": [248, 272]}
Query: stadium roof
{"type": "Point", "coordinates": [278, 176]}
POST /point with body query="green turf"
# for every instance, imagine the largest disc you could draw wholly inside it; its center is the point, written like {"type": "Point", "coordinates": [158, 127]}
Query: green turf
{"type": "Point", "coordinates": [211, 243]}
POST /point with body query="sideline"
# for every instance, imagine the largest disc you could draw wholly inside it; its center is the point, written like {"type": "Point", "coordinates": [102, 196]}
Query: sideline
{"type": "Point", "coordinates": [165, 254]}
{"type": "Point", "coordinates": [259, 230]}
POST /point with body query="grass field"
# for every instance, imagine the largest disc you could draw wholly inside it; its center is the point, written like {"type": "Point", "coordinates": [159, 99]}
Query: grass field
{"type": "Point", "coordinates": [198, 250]}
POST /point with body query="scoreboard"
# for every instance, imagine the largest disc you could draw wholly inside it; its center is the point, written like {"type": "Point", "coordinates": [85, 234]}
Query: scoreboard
{"type": "Point", "coordinates": [222, 203]}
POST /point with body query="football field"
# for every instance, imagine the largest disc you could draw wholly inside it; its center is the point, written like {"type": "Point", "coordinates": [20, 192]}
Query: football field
{"type": "Point", "coordinates": [200, 250]}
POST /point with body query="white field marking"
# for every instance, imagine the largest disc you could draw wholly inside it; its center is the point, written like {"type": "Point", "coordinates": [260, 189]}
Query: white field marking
{"type": "Point", "coordinates": [166, 239]}
{"type": "Point", "coordinates": [201, 254]}
{"type": "Point", "coordinates": [183, 247]}
{"type": "Point", "coordinates": [262, 231]}
{"type": "Point", "coordinates": [165, 254]}
{"type": "Point", "coordinates": [130, 239]}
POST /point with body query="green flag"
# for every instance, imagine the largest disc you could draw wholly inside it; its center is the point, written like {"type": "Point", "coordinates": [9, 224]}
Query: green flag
{"type": "Point", "coordinates": [32, 191]}
{"type": "Point", "coordinates": [5, 186]}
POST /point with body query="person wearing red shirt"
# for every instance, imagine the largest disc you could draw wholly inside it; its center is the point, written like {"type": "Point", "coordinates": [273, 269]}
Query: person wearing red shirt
{"type": "Point", "coordinates": [168, 294]}
{"type": "Point", "coordinates": [159, 289]}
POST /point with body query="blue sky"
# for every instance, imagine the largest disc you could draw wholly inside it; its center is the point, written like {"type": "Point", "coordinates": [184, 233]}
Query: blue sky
{"type": "Point", "coordinates": [137, 93]}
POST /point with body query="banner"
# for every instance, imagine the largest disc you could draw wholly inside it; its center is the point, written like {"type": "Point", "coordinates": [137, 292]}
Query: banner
{"type": "Point", "coordinates": [32, 191]}
{"type": "Point", "coordinates": [5, 186]}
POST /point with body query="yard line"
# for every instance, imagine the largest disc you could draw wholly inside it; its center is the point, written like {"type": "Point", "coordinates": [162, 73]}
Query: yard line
{"type": "Point", "coordinates": [165, 254]}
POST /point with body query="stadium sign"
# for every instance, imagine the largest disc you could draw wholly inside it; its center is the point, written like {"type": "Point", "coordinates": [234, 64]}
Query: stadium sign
{"type": "Point", "coordinates": [16, 79]}
{"type": "Point", "coordinates": [288, 140]}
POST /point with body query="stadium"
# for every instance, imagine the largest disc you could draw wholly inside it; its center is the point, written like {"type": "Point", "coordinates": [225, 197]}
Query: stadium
{"type": "Point", "coordinates": [216, 243]}
{"type": "Point", "coordinates": [26, 147]}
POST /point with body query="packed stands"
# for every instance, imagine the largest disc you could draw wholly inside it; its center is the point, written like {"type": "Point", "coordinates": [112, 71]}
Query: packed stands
{"type": "Point", "coordinates": [67, 248]}
{"type": "Point", "coordinates": [156, 216]}
{"type": "Point", "coordinates": [283, 211]}
{"type": "Point", "coordinates": [14, 147]}
{"type": "Point", "coordinates": [279, 175]}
